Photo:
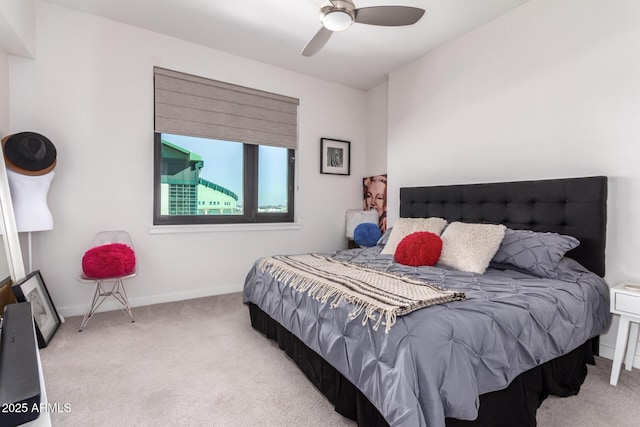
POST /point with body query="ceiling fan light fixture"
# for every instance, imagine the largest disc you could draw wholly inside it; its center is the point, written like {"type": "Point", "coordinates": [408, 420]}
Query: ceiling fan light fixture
{"type": "Point", "coordinates": [337, 20]}
{"type": "Point", "coordinates": [338, 15]}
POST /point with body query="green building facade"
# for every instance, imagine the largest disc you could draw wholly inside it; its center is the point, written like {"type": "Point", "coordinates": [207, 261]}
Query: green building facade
{"type": "Point", "coordinates": [182, 190]}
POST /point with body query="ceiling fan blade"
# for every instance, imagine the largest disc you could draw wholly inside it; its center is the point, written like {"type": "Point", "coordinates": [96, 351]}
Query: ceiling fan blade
{"type": "Point", "coordinates": [390, 16]}
{"type": "Point", "coordinates": [316, 43]}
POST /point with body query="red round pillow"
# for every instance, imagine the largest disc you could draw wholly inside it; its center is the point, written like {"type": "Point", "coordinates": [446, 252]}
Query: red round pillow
{"type": "Point", "coordinates": [419, 248]}
{"type": "Point", "coordinates": [114, 259]}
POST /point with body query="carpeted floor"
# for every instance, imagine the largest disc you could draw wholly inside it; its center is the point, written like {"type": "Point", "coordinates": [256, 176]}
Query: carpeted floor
{"type": "Point", "coordinates": [199, 363]}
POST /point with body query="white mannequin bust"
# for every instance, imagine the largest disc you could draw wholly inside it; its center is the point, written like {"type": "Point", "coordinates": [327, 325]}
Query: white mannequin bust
{"type": "Point", "coordinates": [29, 196]}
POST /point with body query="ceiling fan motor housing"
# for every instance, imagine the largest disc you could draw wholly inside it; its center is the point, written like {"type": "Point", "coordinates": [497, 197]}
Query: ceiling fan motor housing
{"type": "Point", "coordinates": [339, 15]}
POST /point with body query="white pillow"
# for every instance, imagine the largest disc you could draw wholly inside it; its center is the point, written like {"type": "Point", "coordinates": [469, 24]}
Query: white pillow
{"type": "Point", "coordinates": [470, 247]}
{"type": "Point", "coordinates": [405, 226]}
{"type": "Point", "coordinates": [355, 217]}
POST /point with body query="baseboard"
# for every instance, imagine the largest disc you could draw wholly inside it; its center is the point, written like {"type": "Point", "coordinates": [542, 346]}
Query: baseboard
{"type": "Point", "coordinates": [606, 351]}
{"type": "Point", "coordinates": [79, 310]}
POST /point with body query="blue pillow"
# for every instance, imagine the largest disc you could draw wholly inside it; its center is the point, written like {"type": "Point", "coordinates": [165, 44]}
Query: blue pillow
{"type": "Point", "coordinates": [366, 234]}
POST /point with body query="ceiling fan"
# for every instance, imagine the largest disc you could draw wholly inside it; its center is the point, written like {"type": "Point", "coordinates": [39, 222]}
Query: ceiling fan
{"type": "Point", "coordinates": [340, 14]}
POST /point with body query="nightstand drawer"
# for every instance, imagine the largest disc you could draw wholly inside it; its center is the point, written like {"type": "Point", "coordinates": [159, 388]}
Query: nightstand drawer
{"type": "Point", "coordinates": [628, 303]}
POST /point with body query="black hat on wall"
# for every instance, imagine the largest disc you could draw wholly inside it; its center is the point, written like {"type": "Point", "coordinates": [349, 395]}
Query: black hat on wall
{"type": "Point", "coordinates": [29, 153]}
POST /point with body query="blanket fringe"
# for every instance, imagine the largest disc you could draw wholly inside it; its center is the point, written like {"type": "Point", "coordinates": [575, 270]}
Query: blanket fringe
{"type": "Point", "coordinates": [321, 289]}
{"type": "Point", "coordinates": [324, 292]}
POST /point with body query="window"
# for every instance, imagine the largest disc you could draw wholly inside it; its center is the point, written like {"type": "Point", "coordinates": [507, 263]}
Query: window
{"type": "Point", "coordinates": [205, 181]}
{"type": "Point", "coordinates": [202, 175]}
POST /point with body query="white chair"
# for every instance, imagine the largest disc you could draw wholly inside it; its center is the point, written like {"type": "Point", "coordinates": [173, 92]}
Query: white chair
{"type": "Point", "coordinates": [108, 287]}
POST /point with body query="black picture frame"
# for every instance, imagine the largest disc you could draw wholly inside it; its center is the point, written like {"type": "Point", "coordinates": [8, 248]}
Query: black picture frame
{"type": "Point", "coordinates": [47, 321]}
{"type": "Point", "coordinates": [335, 156]}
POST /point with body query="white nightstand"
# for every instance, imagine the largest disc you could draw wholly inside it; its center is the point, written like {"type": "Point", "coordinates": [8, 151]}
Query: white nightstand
{"type": "Point", "coordinates": [626, 303]}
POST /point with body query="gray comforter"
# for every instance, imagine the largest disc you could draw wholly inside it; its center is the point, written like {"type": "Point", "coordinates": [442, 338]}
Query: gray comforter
{"type": "Point", "coordinates": [435, 362]}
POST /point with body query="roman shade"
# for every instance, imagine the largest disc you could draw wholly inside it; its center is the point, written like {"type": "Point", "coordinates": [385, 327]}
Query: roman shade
{"type": "Point", "coordinates": [197, 106]}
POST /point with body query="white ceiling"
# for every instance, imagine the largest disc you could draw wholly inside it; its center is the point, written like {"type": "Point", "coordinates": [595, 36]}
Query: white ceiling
{"type": "Point", "coordinates": [275, 31]}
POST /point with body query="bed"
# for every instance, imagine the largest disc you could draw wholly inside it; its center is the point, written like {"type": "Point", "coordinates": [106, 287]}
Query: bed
{"type": "Point", "coordinates": [487, 360]}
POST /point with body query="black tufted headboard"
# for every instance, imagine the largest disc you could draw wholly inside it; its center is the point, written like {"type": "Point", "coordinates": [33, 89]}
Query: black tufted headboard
{"type": "Point", "coordinates": [573, 206]}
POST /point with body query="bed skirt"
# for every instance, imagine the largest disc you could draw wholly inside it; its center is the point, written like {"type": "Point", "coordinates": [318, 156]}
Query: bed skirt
{"type": "Point", "coordinates": [515, 405]}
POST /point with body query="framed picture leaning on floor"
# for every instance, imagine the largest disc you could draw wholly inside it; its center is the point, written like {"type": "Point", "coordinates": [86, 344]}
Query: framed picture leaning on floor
{"type": "Point", "coordinates": [32, 289]}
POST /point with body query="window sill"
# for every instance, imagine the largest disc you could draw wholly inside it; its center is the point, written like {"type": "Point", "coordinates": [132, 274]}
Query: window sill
{"type": "Point", "coordinates": [218, 228]}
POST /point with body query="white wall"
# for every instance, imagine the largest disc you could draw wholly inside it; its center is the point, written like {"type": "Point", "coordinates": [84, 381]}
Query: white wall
{"type": "Point", "coordinates": [549, 90]}
{"type": "Point", "coordinates": [4, 93]}
{"type": "Point", "coordinates": [377, 100]}
{"type": "Point", "coordinates": [17, 27]}
{"type": "Point", "coordinates": [4, 130]}
{"type": "Point", "coordinates": [17, 33]}
{"type": "Point", "coordinates": [90, 90]}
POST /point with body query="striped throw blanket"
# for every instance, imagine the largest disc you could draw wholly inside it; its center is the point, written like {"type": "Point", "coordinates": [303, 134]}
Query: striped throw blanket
{"type": "Point", "coordinates": [379, 295]}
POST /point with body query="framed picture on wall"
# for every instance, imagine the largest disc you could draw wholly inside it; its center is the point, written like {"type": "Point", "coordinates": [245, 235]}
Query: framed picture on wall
{"type": "Point", "coordinates": [335, 156]}
{"type": "Point", "coordinates": [32, 289]}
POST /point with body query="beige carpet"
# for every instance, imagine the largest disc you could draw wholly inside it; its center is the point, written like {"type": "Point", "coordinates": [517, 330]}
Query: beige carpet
{"type": "Point", "coordinates": [199, 363]}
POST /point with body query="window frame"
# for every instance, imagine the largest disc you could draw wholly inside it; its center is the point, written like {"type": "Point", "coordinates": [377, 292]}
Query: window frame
{"type": "Point", "coordinates": [250, 213]}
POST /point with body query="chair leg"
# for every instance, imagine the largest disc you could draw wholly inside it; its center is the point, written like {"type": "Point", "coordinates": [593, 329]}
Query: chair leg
{"type": "Point", "coordinates": [116, 292]}
{"type": "Point", "coordinates": [121, 296]}
{"type": "Point", "coordinates": [91, 309]}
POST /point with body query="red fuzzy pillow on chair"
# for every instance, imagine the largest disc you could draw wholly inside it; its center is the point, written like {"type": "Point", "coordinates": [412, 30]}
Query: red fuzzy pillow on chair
{"type": "Point", "coordinates": [112, 260]}
{"type": "Point", "coordinates": [420, 248]}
